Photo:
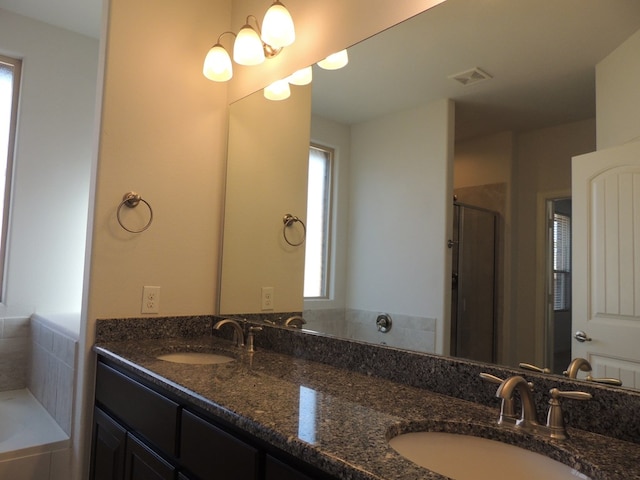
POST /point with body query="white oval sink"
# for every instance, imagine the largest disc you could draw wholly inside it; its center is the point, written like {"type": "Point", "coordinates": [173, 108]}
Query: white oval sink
{"type": "Point", "coordinates": [196, 358]}
{"type": "Point", "coordinates": [464, 457]}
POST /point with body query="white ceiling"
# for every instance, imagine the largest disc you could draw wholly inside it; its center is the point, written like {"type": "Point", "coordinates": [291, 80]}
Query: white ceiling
{"type": "Point", "coordinates": [541, 54]}
{"type": "Point", "coordinates": [82, 16]}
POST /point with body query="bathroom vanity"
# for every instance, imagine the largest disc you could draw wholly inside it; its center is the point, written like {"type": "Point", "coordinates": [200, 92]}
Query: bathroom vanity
{"type": "Point", "coordinates": [281, 415]}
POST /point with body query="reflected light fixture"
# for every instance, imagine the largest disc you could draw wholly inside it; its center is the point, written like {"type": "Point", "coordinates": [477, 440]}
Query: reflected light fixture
{"type": "Point", "coordinates": [278, 90]}
{"type": "Point", "coordinates": [304, 76]}
{"type": "Point", "coordinates": [335, 61]}
{"type": "Point", "coordinates": [251, 45]}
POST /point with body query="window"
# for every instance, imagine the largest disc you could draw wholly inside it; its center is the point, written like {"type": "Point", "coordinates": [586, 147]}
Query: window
{"type": "Point", "coordinates": [561, 262]}
{"type": "Point", "coordinates": [316, 266]}
{"type": "Point", "coordinates": [9, 82]}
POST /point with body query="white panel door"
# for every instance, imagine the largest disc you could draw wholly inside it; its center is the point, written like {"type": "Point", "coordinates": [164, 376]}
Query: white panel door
{"type": "Point", "coordinates": [606, 261]}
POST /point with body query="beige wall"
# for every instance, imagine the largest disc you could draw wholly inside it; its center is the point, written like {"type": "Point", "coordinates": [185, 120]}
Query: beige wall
{"type": "Point", "coordinates": [618, 95]}
{"type": "Point", "coordinates": [543, 165]}
{"type": "Point", "coordinates": [483, 161]}
{"type": "Point", "coordinates": [399, 209]}
{"type": "Point", "coordinates": [533, 164]}
{"type": "Point", "coordinates": [266, 179]}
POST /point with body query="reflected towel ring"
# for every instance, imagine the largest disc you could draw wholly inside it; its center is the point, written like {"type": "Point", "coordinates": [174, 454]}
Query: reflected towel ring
{"type": "Point", "coordinates": [131, 200]}
{"type": "Point", "coordinates": [288, 221]}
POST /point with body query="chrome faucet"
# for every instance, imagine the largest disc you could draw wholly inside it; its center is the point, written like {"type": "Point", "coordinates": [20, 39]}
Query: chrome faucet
{"type": "Point", "coordinates": [296, 321]}
{"type": "Point", "coordinates": [238, 333]}
{"type": "Point", "coordinates": [506, 390]}
{"type": "Point", "coordinates": [580, 364]}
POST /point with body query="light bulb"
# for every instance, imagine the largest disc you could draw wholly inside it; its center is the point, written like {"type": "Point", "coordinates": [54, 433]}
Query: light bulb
{"type": "Point", "coordinates": [217, 64]}
{"type": "Point", "coordinates": [278, 90]}
{"type": "Point", "coordinates": [302, 76]}
{"type": "Point", "coordinates": [335, 61]}
{"type": "Point", "coordinates": [247, 49]}
{"type": "Point", "coordinates": [277, 26]}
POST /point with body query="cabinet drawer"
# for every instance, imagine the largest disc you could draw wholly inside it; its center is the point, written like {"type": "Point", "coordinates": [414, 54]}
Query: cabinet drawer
{"type": "Point", "coordinates": [142, 410]}
{"type": "Point", "coordinates": [209, 452]}
{"type": "Point", "coordinates": [277, 470]}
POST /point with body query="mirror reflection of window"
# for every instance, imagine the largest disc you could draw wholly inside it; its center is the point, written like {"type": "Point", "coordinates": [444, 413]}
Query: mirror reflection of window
{"type": "Point", "coordinates": [316, 266]}
{"type": "Point", "coordinates": [561, 262]}
{"type": "Point", "coordinates": [307, 414]}
{"type": "Point", "coordinates": [9, 82]}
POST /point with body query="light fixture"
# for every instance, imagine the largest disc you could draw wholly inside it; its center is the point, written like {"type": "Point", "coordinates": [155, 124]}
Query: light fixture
{"type": "Point", "coordinates": [277, 26]}
{"type": "Point", "coordinates": [278, 90]}
{"type": "Point", "coordinates": [251, 45]}
{"type": "Point", "coordinates": [301, 77]}
{"type": "Point", "coordinates": [247, 49]}
{"type": "Point", "coordinates": [217, 64]}
{"type": "Point", "coordinates": [335, 61]}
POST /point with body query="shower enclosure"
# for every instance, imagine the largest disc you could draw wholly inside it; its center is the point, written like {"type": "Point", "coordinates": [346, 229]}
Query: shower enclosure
{"type": "Point", "coordinates": [473, 293]}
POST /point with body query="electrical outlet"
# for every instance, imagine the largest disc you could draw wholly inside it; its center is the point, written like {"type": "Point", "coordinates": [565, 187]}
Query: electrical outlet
{"type": "Point", "coordinates": [267, 298]}
{"type": "Point", "coordinates": [151, 300]}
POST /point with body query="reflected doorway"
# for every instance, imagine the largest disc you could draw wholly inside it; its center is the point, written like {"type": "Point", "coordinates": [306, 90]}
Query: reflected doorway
{"type": "Point", "coordinates": [558, 283]}
{"type": "Point", "coordinates": [473, 290]}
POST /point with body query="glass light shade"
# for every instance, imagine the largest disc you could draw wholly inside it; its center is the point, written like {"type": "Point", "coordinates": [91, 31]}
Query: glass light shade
{"type": "Point", "coordinates": [335, 61]}
{"type": "Point", "coordinates": [277, 26]}
{"type": "Point", "coordinates": [247, 49]}
{"type": "Point", "coordinates": [217, 64]}
{"type": "Point", "coordinates": [301, 77]}
{"type": "Point", "coordinates": [278, 90]}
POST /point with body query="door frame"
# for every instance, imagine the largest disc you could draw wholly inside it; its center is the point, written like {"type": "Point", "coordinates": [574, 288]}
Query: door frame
{"type": "Point", "coordinates": [543, 332]}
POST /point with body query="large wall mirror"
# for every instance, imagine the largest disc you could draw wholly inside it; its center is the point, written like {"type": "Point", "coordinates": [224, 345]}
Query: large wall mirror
{"type": "Point", "coordinates": [462, 120]}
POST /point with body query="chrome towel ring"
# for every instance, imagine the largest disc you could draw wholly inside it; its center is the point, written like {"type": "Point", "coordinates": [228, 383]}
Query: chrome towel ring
{"type": "Point", "coordinates": [132, 200]}
{"type": "Point", "coordinates": [288, 221]}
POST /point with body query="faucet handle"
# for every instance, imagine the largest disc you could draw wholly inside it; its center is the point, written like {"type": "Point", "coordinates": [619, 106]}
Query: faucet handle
{"type": "Point", "coordinates": [533, 368]}
{"type": "Point", "coordinates": [251, 330]}
{"type": "Point", "coordinates": [491, 378]}
{"type": "Point", "coordinates": [555, 418]}
{"type": "Point", "coordinates": [607, 381]}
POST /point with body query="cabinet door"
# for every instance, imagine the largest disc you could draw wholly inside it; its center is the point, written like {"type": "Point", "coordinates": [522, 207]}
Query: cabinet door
{"type": "Point", "coordinates": [277, 470]}
{"type": "Point", "coordinates": [149, 414]}
{"type": "Point", "coordinates": [143, 463]}
{"type": "Point", "coordinates": [108, 448]}
{"type": "Point", "coordinates": [211, 453]}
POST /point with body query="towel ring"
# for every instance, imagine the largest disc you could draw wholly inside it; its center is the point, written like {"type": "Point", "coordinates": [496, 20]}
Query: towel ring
{"type": "Point", "coordinates": [132, 200]}
{"type": "Point", "coordinates": [288, 221]}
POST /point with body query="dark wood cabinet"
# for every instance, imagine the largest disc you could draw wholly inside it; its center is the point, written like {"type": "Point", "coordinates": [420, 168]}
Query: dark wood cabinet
{"type": "Point", "coordinates": [210, 452]}
{"type": "Point", "coordinates": [274, 469]}
{"type": "Point", "coordinates": [108, 448]}
{"type": "Point", "coordinates": [141, 434]}
{"type": "Point", "coordinates": [142, 463]}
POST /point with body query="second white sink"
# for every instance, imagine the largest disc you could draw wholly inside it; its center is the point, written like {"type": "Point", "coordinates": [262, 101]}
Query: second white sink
{"type": "Point", "coordinates": [196, 358]}
{"type": "Point", "coordinates": [464, 457]}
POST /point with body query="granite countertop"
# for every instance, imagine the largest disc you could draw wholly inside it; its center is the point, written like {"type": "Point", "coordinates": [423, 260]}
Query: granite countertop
{"type": "Point", "coordinates": [340, 420]}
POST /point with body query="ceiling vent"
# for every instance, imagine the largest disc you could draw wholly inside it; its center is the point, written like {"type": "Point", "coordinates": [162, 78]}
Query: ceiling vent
{"type": "Point", "coordinates": [470, 77]}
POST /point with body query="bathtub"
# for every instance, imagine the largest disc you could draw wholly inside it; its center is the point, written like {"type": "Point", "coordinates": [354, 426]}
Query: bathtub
{"type": "Point", "coordinates": [32, 444]}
